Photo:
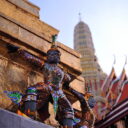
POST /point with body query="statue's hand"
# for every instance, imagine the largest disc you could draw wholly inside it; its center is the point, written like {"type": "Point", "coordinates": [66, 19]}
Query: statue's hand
{"type": "Point", "coordinates": [66, 86]}
{"type": "Point", "coordinates": [67, 78]}
{"type": "Point", "coordinates": [12, 48]}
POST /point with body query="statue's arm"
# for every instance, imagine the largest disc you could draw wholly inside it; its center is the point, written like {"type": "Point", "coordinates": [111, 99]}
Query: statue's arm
{"type": "Point", "coordinates": [30, 58]}
{"type": "Point", "coordinates": [25, 55]}
{"type": "Point", "coordinates": [66, 86]}
{"type": "Point", "coordinates": [86, 115]}
{"type": "Point", "coordinates": [78, 95]}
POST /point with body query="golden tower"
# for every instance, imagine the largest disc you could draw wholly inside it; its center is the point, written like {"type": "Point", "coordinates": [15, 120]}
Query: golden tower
{"type": "Point", "coordinates": [83, 44]}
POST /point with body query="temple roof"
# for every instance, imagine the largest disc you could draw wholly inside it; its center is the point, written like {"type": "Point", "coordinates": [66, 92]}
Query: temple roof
{"type": "Point", "coordinates": [115, 92]}
{"type": "Point", "coordinates": [111, 77]}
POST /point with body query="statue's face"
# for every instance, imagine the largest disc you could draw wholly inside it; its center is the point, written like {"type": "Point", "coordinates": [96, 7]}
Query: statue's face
{"type": "Point", "coordinates": [53, 57]}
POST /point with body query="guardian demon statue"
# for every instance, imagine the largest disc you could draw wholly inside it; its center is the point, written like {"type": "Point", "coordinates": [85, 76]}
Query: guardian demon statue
{"type": "Point", "coordinates": [38, 96]}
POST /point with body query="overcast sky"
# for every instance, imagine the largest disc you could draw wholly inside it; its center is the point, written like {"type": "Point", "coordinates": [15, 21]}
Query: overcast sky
{"type": "Point", "coordinates": [107, 20]}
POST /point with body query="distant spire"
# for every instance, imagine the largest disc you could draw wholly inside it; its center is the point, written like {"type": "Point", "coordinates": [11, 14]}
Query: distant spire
{"type": "Point", "coordinates": [114, 60]}
{"type": "Point", "coordinates": [125, 60]}
{"type": "Point", "coordinates": [79, 16]}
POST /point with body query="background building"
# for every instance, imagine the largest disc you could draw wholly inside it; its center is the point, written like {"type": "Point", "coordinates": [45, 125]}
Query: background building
{"type": "Point", "coordinates": [91, 70]}
{"type": "Point", "coordinates": [114, 112]}
{"type": "Point", "coordinates": [110, 91]}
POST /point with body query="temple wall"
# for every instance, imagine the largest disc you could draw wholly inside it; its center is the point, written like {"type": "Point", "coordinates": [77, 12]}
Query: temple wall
{"type": "Point", "coordinates": [21, 12]}
{"type": "Point", "coordinates": [15, 77]}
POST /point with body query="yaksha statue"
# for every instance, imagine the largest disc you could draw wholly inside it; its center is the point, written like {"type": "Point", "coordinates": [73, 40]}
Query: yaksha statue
{"type": "Point", "coordinates": [38, 96]}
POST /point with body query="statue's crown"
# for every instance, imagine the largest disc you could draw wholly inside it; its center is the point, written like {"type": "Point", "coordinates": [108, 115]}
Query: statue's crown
{"type": "Point", "coordinates": [54, 46]}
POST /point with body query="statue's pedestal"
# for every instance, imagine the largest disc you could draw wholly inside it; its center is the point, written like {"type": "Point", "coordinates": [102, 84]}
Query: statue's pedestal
{"type": "Point", "coordinates": [12, 120]}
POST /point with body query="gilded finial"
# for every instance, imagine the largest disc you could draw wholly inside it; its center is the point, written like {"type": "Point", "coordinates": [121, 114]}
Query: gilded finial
{"type": "Point", "coordinates": [54, 37]}
{"type": "Point", "coordinates": [54, 45]}
{"type": "Point", "coordinates": [125, 61]}
{"type": "Point", "coordinates": [79, 16]}
{"type": "Point", "coordinates": [114, 60]}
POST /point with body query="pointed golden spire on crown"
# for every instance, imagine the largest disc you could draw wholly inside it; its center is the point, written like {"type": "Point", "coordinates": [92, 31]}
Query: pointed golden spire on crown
{"type": "Point", "coordinates": [54, 45]}
{"type": "Point", "coordinates": [54, 37]}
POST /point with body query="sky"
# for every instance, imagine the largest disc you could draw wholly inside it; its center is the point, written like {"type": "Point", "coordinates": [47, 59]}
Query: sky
{"type": "Point", "coordinates": [107, 20]}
